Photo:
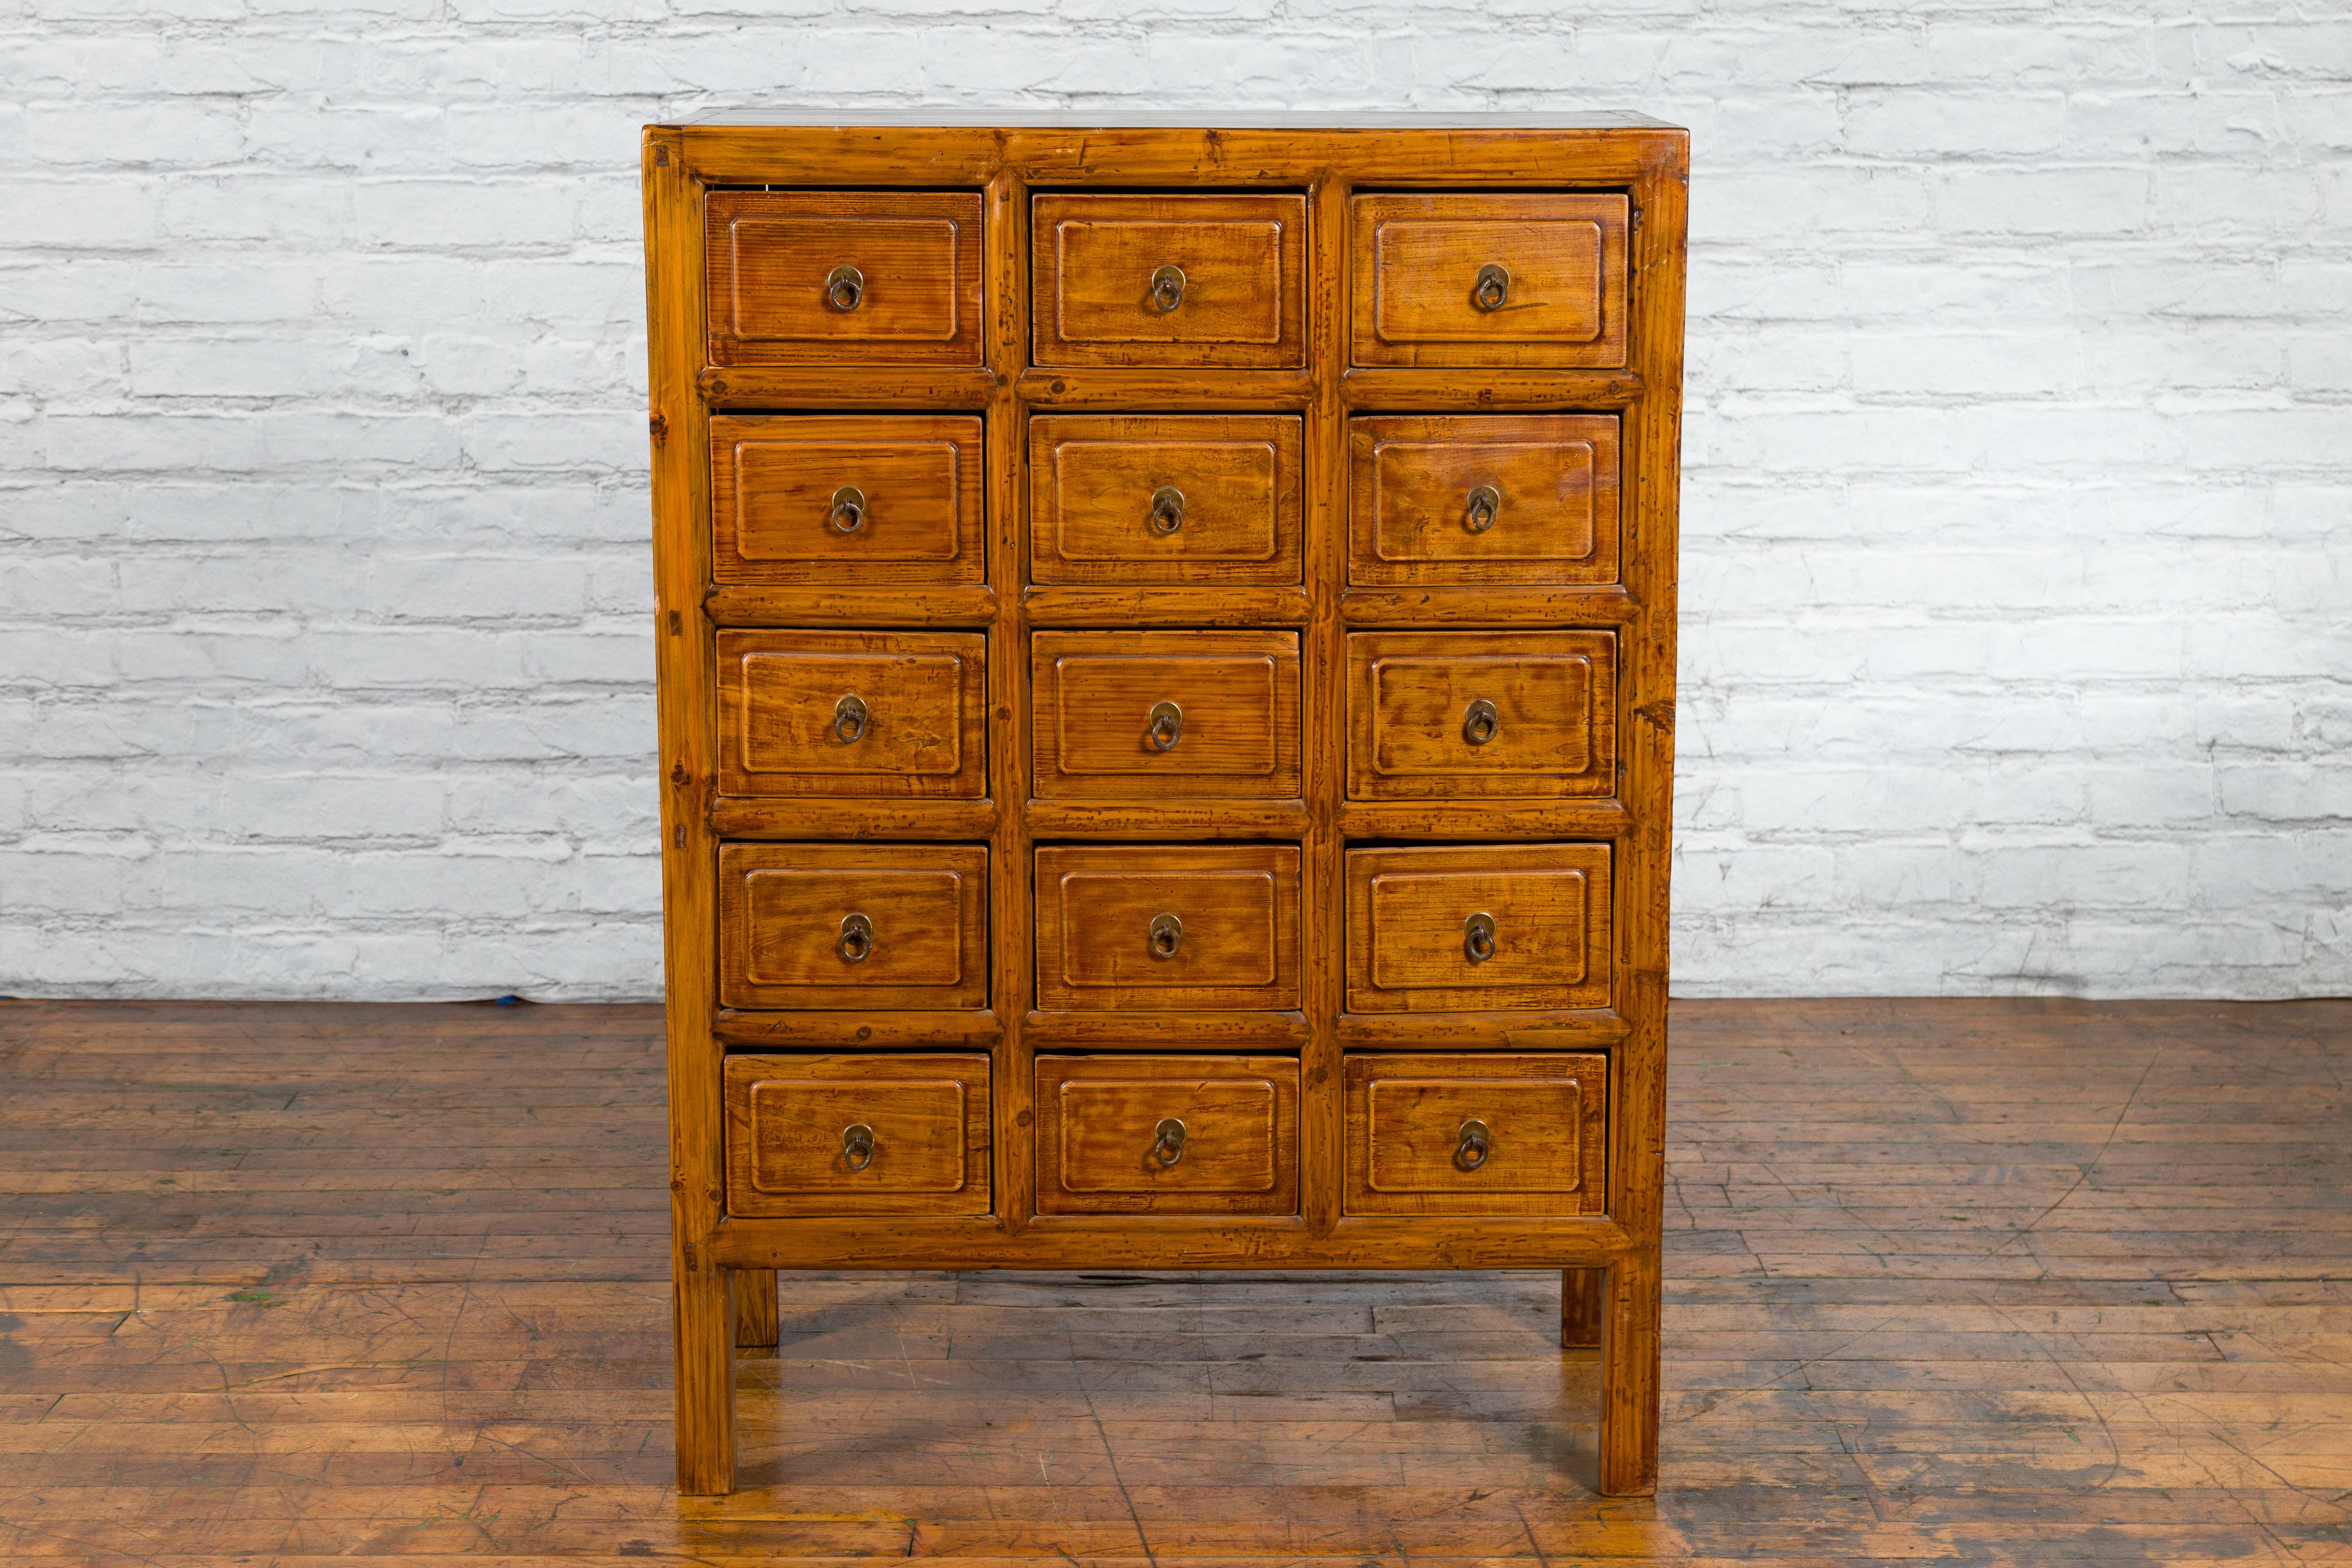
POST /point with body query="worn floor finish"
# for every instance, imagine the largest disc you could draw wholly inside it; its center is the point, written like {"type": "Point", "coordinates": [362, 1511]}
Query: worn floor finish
{"type": "Point", "coordinates": [1949, 1281]}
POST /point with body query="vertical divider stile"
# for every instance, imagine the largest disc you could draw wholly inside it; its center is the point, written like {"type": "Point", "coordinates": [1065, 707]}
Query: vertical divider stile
{"type": "Point", "coordinates": [1324, 697]}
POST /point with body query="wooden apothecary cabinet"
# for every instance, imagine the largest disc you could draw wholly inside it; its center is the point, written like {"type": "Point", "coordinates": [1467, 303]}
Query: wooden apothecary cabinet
{"type": "Point", "coordinates": [1167, 654]}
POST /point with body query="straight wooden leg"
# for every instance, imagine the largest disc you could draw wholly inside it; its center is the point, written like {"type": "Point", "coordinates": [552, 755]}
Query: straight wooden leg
{"type": "Point", "coordinates": [1580, 1307]}
{"type": "Point", "coordinates": [706, 1379]}
{"type": "Point", "coordinates": [755, 1307]}
{"type": "Point", "coordinates": [1628, 1378]}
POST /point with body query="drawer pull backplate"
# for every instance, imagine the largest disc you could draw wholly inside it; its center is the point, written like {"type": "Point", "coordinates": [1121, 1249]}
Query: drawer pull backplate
{"type": "Point", "coordinates": [1167, 509]}
{"type": "Point", "coordinates": [1478, 938]}
{"type": "Point", "coordinates": [1480, 721]}
{"type": "Point", "coordinates": [856, 943]}
{"type": "Point", "coordinates": [1168, 1141]}
{"type": "Point", "coordinates": [848, 514]}
{"type": "Point", "coordinates": [1167, 935]}
{"type": "Point", "coordinates": [1166, 726]}
{"type": "Point", "coordinates": [858, 1145]}
{"type": "Point", "coordinates": [1485, 502]}
{"type": "Point", "coordinates": [1167, 288]}
{"type": "Point", "coordinates": [849, 719]}
{"type": "Point", "coordinates": [1493, 289]}
{"type": "Point", "coordinates": [1472, 1146]}
{"type": "Point", "coordinates": [845, 288]}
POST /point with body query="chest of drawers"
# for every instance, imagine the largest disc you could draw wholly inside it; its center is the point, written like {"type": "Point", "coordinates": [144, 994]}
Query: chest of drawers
{"type": "Point", "coordinates": [1167, 649]}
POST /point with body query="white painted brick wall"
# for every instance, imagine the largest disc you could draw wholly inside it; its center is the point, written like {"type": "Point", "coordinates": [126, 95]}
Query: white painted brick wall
{"type": "Point", "coordinates": [2019, 491]}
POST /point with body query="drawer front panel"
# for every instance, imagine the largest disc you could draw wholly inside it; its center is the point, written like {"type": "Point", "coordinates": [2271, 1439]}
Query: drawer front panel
{"type": "Point", "coordinates": [1164, 499]}
{"type": "Point", "coordinates": [1475, 1134]}
{"type": "Point", "coordinates": [865, 1134]}
{"type": "Point", "coordinates": [1491, 498]}
{"type": "Point", "coordinates": [1161, 928]}
{"type": "Point", "coordinates": [1105, 1144]}
{"type": "Point", "coordinates": [831, 500]}
{"type": "Point", "coordinates": [843, 926]}
{"type": "Point", "coordinates": [877, 714]}
{"type": "Point", "coordinates": [1481, 714]}
{"type": "Point", "coordinates": [1490, 279]}
{"type": "Point", "coordinates": [1490, 926]}
{"type": "Point", "coordinates": [846, 276]}
{"type": "Point", "coordinates": [1169, 280]}
{"type": "Point", "coordinates": [1147, 715]}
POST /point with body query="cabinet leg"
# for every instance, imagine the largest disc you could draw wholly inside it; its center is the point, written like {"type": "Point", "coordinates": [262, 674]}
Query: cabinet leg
{"type": "Point", "coordinates": [755, 1307]}
{"type": "Point", "coordinates": [704, 1325]}
{"type": "Point", "coordinates": [1628, 1378]}
{"type": "Point", "coordinates": [1580, 1307]}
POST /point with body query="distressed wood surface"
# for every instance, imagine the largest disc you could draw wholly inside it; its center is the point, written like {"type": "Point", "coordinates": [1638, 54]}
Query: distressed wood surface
{"type": "Point", "coordinates": [2034, 1282]}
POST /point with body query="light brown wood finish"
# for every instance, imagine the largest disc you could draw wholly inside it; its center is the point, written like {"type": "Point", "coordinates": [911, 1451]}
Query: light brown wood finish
{"type": "Point", "coordinates": [1233, 733]}
{"type": "Point", "coordinates": [1167, 928]}
{"type": "Point", "coordinates": [1475, 715]}
{"type": "Point", "coordinates": [1104, 1146]}
{"type": "Point", "coordinates": [1238, 302]}
{"type": "Point", "coordinates": [785, 926]}
{"type": "Point", "coordinates": [1558, 268]}
{"type": "Point", "coordinates": [1410, 946]}
{"type": "Point", "coordinates": [853, 713]}
{"type": "Point", "coordinates": [772, 256]}
{"type": "Point", "coordinates": [1164, 499]}
{"type": "Point", "coordinates": [1553, 486]}
{"type": "Point", "coordinates": [793, 1144]}
{"type": "Point", "coordinates": [779, 516]}
{"type": "Point", "coordinates": [1456, 1134]}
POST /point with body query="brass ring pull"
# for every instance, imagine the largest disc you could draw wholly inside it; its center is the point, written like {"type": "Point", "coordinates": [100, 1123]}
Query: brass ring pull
{"type": "Point", "coordinates": [1167, 509]}
{"type": "Point", "coordinates": [858, 1145]}
{"type": "Point", "coordinates": [845, 288]}
{"type": "Point", "coordinates": [1167, 288]}
{"type": "Point", "coordinates": [1478, 938]}
{"type": "Point", "coordinates": [1167, 935]}
{"type": "Point", "coordinates": [1485, 502]}
{"type": "Point", "coordinates": [1472, 1146]}
{"type": "Point", "coordinates": [856, 943]}
{"type": "Point", "coordinates": [849, 719]}
{"type": "Point", "coordinates": [1168, 1141]}
{"type": "Point", "coordinates": [848, 510]}
{"type": "Point", "coordinates": [1166, 726]}
{"type": "Point", "coordinates": [1493, 289]}
{"type": "Point", "coordinates": [1480, 723]}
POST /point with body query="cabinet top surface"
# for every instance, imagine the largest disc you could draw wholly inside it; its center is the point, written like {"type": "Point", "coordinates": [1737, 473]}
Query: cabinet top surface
{"type": "Point", "coordinates": [816, 118]}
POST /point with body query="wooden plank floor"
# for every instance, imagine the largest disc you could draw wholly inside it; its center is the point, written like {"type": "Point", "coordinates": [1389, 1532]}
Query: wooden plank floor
{"type": "Point", "coordinates": [1947, 1282]}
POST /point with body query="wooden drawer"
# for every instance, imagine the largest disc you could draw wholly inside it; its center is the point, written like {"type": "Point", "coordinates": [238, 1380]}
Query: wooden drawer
{"type": "Point", "coordinates": [1105, 294]}
{"type": "Point", "coordinates": [1106, 942]}
{"type": "Point", "coordinates": [1454, 1133]}
{"type": "Point", "coordinates": [834, 500]}
{"type": "Point", "coordinates": [853, 713]}
{"type": "Point", "coordinates": [1156, 715]}
{"type": "Point", "coordinates": [794, 1145]}
{"type": "Point", "coordinates": [1120, 498]}
{"type": "Point", "coordinates": [1493, 279]}
{"type": "Point", "coordinates": [1482, 499]}
{"type": "Point", "coordinates": [1412, 937]}
{"type": "Point", "coordinates": [1106, 1145]}
{"type": "Point", "coordinates": [1480, 714]}
{"type": "Point", "coordinates": [843, 277]}
{"type": "Point", "coordinates": [853, 926]}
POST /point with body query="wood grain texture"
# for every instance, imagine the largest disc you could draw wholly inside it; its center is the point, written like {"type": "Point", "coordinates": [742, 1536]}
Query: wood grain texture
{"type": "Point", "coordinates": [1411, 477]}
{"type": "Point", "coordinates": [1234, 943]}
{"type": "Point", "coordinates": [769, 255]}
{"type": "Point", "coordinates": [1093, 695]}
{"type": "Point", "coordinates": [787, 1122]}
{"type": "Point", "coordinates": [1544, 1119]}
{"type": "Point", "coordinates": [919, 726]}
{"type": "Point", "coordinates": [773, 480]}
{"type": "Point", "coordinates": [1099, 1149]}
{"type": "Point", "coordinates": [1418, 261]}
{"type": "Point", "coordinates": [783, 909]}
{"type": "Point", "coordinates": [1409, 947]}
{"type": "Point", "coordinates": [1095, 480]}
{"type": "Point", "coordinates": [1549, 727]}
{"type": "Point", "coordinates": [1242, 257]}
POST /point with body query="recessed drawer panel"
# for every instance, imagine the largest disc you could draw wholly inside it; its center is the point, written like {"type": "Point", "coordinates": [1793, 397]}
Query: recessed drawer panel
{"type": "Point", "coordinates": [853, 926]}
{"type": "Point", "coordinates": [1479, 927]}
{"type": "Point", "coordinates": [1481, 714]}
{"type": "Point", "coordinates": [1161, 927]}
{"type": "Point", "coordinates": [1499, 279]}
{"type": "Point", "coordinates": [1169, 280]}
{"type": "Point", "coordinates": [1164, 498]}
{"type": "Point", "coordinates": [1150, 715]}
{"type": "Point", "coordinates": [1452, 1133]}
{"type": "Point", "coordinates": [857, 1134]}
{"type": "Point", "coordinates": [846, 276]}
{"type": "Point", "coordinates": [824, 499]}
{"type": "Point", "coordinates": [1167, 1135]}
{"type": "Point", "coordinates": [853, 713]}
{"type": "Point", "coordinates": [1483, 498]}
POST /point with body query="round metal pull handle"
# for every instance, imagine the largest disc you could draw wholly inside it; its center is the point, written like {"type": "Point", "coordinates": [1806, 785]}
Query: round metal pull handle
{"type": "Point", "coordinates": [1167, 288]}
{"type": "Point", "coordinates": [845, 288]}
{"type": "Point", "coordinates": [1167, 509]}
{"type": "Point", "coordinates": [1493, 289]}
{"type": "Point", "coordinates": [1166, 726]}
{"type": "Point", "coordinates": [1472, 1146]}
{"type": "Point", "coordinates": [1167, 935]}
{"type": "Point", "coordinates": [848, 513]}
{"type": "Point", "coordinates": [1168, 1141]}
{"type": "Point", "coordinates": [1480, 723]}
{"type": "Point", "coordinates": [1478, 938]}
{"type": "Point", "coordinates": [849, 719]}
{"type": "Point", "coordinates": [858, 1145]}
{"type": "Point", "coordinates": [1485, 502]}
{"type": "Point", "coordinates": [857, 943]}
